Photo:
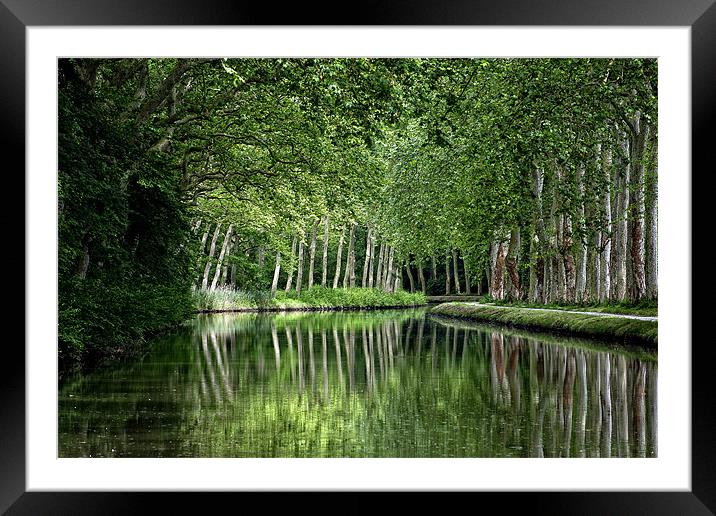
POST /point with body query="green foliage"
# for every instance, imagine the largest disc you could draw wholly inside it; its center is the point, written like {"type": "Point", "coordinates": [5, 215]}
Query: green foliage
{"type": "Point", "coordinates": [431, 154]}
{"type": "Point", "coordinates": [226, 298]}
{"type": "Point", "coordinates": [123, 266]}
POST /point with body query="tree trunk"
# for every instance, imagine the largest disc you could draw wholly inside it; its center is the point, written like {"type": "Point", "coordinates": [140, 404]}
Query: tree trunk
{"type": "Point", "coordinates": [324, 276]}
{"type": "Point", "coordinates": [367, 260]}
{"type": "Point", "coordinates": [299, 273]}
{"type": "Point", "coordinates": [619, 249]}
{"type": "Point", "coordinates": [276, 272]}
{"type": "Point", "coordinates": [227, 239]}
{"type": "Point", "coordinates": [570, 277]}
{"type": "Point", "coordinates": [497, 290]}
{"type": "Point", "coordinates": [606, 249]}
{"type": "Point", "coordinates": [454, 270]}
{"type": "Point", "coordinates": [435, 268]}
{"type": "Point", "coordinates": [224, 270]}
{"type": "Point", "coordinates": [421, 277]}
{"type": "Point", "coordinates": [410, 275]}
{"type": "Point", "coordinates": [511, 262]}
{"type": "Point", "coordinates": [559, 276]}
{"type": "Point", "coordinates": [538, 249]}
{"type": "Point", "coordinates": [468, 290]}
{"type": "Point", "coordinates": [447, 274]}
{"type": "Point", "coordinates": [533, 294]}
{"type": "Point", "coordinates": [291, 264]}
{"type": "Point", "coordinates": [371, 262]}
{"type": "Point", "coordinates": [581, 281]}
{"type": "Point", "coordinates": [349, 278]}
{"type": "Point", "coordinates": [651, 223]}
{"type": "Point", "coordinates": [398, 282]}
{"type": "Point", "coordinates": [338, 258]}
{"type": "Point", "coordinates": [312, 254]}
{"type": "Point", "coordinates": [389, 270]}
{"type": "Point", "coordinates": [212, 250]}
{"type": "Point", "coordinates": [637, 287]}
{"type": "Point", "coordinates": [379, 270]}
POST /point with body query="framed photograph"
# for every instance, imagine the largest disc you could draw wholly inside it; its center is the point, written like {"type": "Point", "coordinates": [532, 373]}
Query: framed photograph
{"type": "Point", "coordinates": [67, 457]}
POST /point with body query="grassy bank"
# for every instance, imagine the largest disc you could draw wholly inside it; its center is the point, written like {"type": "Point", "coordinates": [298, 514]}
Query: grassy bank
{"type": "Point", "coordinates": [310, 299]}
{"type": "Point", "coordinates": [644, 308]}
{"type": "Point", "coordinates": [649, 354]}
{"type": "Point", "coordinates": [626, 331]}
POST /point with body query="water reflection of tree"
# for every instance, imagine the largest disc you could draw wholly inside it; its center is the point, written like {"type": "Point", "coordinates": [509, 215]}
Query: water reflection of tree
{"type": "Point", "coordinates": [414, 388]}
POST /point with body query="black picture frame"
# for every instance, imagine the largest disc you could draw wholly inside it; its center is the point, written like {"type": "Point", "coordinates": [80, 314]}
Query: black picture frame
{"type": "Point", "coordinates": [17, 15]}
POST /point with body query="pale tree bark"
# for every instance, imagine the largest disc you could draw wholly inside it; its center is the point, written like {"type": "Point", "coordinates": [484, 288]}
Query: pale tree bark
{"type": "Point", "coordinates": [338, 258]}
{"type": "Point", "coordinates": [410, 275]}
{"type": "Point", "coordinates": [454, 270]}
{"type": "Point", "coordinates": [212, 250]}
{"type": "Point", "coordinates": [570, 278]}
{"type": "Point", "coordinates": [349, 278]}
{"type": "Point", "coordinates": [389, 274]}
{"type": "Point", "coordinates": [491, 265]}
{"type": "Point", "coordinates": [619, 248]}
{"type": "Point", "coordinates": [421, 277]}
{"type": "Point", "coordinates": [447, 274]}
{"type": "Point", "coordinates": [651, 224]}
{"type": "Point", "coordinates": [533, 287]}
{"type": "Point", "coordinates": [538, 248]}
{"type": "Point", "coordinates": [291, 268]}
{"type": "Point", "coordinates": [558, 281]}
{"type": "Point", "coordinates": [606, 249]}
{"type": "Point", "coordinates": [312, 254]}
{"type": "Point", "coordinates": [299, 273]}
{"type": "Point", "coordinates": [637, 286]}
{"type": "Point", "coordinates": [468, 290]}
{"type": "Point", "coordinates": [379, 268]}
{"type": "Point", "coordinates": [384, 273]}
{"type": "Point", "coordinates": [549, 286]}
{"type": "Point", "coordinates": [581, 281]}
{"type": "Point", "coordinates": [276, 273]}
{"type": "Point", "coordinates": [227, 240]}
{"type": "Point", "coordinates": [591, 292]}
{"type": "Point", "coordinates": [225, 269]}
{"type": "Point", "coordinates": [324, 276]}
{"type": "Point", "coordinates": [371, 262]}
{"type": "Point", "coordinates": [511, 262]}
{"type": "Point", "coordinates": [435, 268]}
{"type": "Point", "coordinates": [497, 288]}
{"type": "Point", "coordinates": [367, 260]}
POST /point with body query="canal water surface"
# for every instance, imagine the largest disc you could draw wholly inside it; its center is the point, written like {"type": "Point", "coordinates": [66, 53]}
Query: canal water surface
{"type": "Point", "coordinates": [363, 384]}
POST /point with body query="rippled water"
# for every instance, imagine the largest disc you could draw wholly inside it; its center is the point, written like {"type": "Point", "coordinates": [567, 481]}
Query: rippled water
{"type": "Point", "coordinates": [363, 384]}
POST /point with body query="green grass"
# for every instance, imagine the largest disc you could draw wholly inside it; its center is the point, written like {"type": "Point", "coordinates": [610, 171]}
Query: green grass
{"type": "Point", "coordinates": [641, 352]}
{"type": "Point", "coordinates": [313, 298]}
{"type": "Point", "coordinates": [643, 308]}
{"type": "Point", "coordinates": [626, 331]}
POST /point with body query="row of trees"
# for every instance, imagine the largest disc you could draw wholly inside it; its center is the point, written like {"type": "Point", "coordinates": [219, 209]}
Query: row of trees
{"type": "Point", "coordinates": [528, 179]}
{"type": "Point", "coordinates": [541, 172]}
{"type": "Point", "coordinates": [525, 179]}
